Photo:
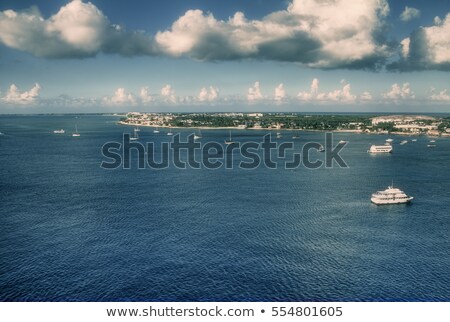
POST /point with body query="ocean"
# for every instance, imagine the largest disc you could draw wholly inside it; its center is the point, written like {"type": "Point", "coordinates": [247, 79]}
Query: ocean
{"type": "Point", "coordinates": [73, 231]}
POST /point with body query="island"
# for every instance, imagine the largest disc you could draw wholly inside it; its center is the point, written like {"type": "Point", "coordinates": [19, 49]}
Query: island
{"type": "Point", "coordinates": [358, 123]}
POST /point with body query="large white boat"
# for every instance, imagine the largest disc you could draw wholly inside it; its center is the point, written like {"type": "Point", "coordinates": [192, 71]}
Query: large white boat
{"type": "Point", "coordinates": [62, 131]}
{"type": "Point", "coordinates": [390, 196]}
{"type": "Point", "coordinates": [380, 149]}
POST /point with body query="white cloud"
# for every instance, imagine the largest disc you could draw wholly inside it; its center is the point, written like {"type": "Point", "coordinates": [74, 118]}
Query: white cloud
{"type": "Point", "coordinates": [168, 94]}
{"type": "Point", "coordinates": [145, 95]}
{"type": "Point", "coordinates": [280, 93]}
{"type": "Point", "coordinates": [308, 31]}
{"type": "Point", "coordinates": [409, 14]}
{"type": "Point", "coordinates": [208, 95]}
{"type": "Point", "coordinates": [15, 96]}
{"type": "Point", "coordinates": [339, 95]}
{"type": "Point", "coordinates": [254, 93]}
{"type": "Point", "coordinates": [120, 97]}
{"type": "Point", "coordinates": [398, 92]}
{"type": "Point", "coordinates": [426, 48]}
{"type": "Point", "coordinates": [78, 29]}
{"type": "Point", "coordinates": [441, 96]}
{"type": "Point", "coordinates": [366, 96]}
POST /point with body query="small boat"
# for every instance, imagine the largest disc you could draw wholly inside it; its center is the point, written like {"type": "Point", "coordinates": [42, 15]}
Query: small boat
{"type": "Point", "coordinates": [170, 132]}
{"type": "Point", "coordinates": [137, 129]}
{"type": "Point", "coordinates": [432, 141]}
{"type": "Point", "coordinates": [389, 141]}
{"type": "Point", "coordinates": [321, 149]}
{"type": "Point", "coordinates": [403, 142]}
{"type": "Point", "coordinates": [1, 133]}
{"type": "Point", "coordinates": [197, 136]}
{"type": "Point", "coordinates": [414, 140]}
{"type": "Point", "coordinates": [76, 134]}
{"type": "Point", "coordinates": [431, 145]}
{"type": "Point", "coordinates": [380, 149]}
{"type": "Point", "coordinates": [390, 196]}
{"type": "Point", "coordinates": [279, 136]}
{"type": "Point", "coordinates": [135, 137]}
{"type": "Point", "coordinates": [343, 142]}
{"type": "Point", "coordinates": [156, 130]}
{"type": "Point", "coordinates": [62, 131]}
{"type": "Point", "coordinates": [230, 141]}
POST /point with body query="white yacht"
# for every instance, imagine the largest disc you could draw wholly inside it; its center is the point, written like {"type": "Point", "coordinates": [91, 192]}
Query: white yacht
{"type": "Point", "coordinates": [198, 136]}
{"type": "Point", "coordinates": [76, 134]}
{"type": "Point", "coordinates": [156, 131]}
{"type": "Point", "coordinates": [59, 131]}
{"type": "Point", "coordinates": [390, 196]}
{"type": "Point", "coordinates": [135, 137]}
{"type": "Point", "coordinates": [389, 141]}
{"type": "Point", "coordinates": [170, 133]}
{"type": "Point", "coordinates": [342, 142]}
{"type": "Point", "coordinates": [380, 149]}
{"type": "Point", "coordinates": [403, 142]}
{"type": "Point", "coordinates": [230, 141]}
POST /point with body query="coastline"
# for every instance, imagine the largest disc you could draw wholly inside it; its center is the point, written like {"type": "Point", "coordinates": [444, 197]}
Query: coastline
{"type": "Point", "coordinates": [274, 129]}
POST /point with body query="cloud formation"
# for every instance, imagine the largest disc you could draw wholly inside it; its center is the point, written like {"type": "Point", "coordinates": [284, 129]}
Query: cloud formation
{"type": "Point", "coordinates": [168, 94]}
{"type": "Point", "coordinates": [16, 97]}
{"type": "Point", "coordinates": [308, 32]}
{"type": "Point", "coordinates": [343, 94]}
{"type": "Point", "coordinates": [208, 95]}
{"type": "Point", "coordinates": [398, 92]}
{"type": "Point", "coordinates": [409, 14]}
{"type": "Point", "coordinates": [441, 96]}
{"type": "Point", "coordinates": [254, 93]}
{"type": "Point", "coordinates": [280, 93]}
{"type": "Point", "coordinates": [77, 30]}
{"type": "Point", "coordinates": [120, 97]}
{"type": "Point", "coordinates": [427, 48]}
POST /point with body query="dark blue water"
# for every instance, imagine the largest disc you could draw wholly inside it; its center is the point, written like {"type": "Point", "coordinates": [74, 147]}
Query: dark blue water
{"type": "Point", "coordinates": [71, 231]}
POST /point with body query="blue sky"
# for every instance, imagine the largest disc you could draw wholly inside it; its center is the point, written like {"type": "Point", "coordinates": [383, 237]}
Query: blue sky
{"type": "Point", "coordinates": [299, 55]}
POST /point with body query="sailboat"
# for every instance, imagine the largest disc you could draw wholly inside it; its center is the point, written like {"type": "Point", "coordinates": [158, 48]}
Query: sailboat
{"type": "Point", "coordinates": [76, 134]}
{"type": "Point", "coordinates": [170, 131]}
{"type": "Point", "coordinates": [137, 129]}
{"type": "Point", "coordinates": [135, 136]}
{"type": "Point", "coordinates": [198, 136]}
{"type": "Point", "coordinates": [156, 130]}
{"type": "Point", "coordinates": [228, 142]}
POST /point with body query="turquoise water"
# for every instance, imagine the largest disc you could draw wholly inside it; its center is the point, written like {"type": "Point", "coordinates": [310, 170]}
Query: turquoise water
{"type": "Point", "coordinates": [71, 231]}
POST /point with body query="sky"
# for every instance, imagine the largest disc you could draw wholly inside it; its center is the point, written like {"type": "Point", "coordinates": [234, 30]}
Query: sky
{"type": "Point", "coordinates": [236, 55]}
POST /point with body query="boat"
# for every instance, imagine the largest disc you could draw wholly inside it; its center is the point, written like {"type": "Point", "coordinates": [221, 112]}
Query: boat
{"type": "Point", "coordinates": [403, 142]}
{"type": "Point", "coordinates": [414, 140]}
{"type": "Point", "coordinates": [431, 145]}
{"type": "Point", "coordinates": [343, 142]}
{"type": "Point", "coordinates": [230, 141]}
{"type": "Point", "coordinates": [76, 134]}
{"type": "Point", "coordinates": [137, 129]}
{"type": "Point", "coordinates": [380, 149]}
{"type": "Point", "coordinates": [156, 130]}
{"type": "Point", "coordinates": [197, 136]}
{"type": "Point", "coordinates": [389, 141]}
{"type": "Point", "coordinates": [321, 149]}
{"type": "Point", "coordinates": [432, 141]}
{"type": "Point", "coordinates": [170, 132]}
{"type": "Point", "coordinates": [135, 137]}
{"type": "Point", "coordinates": [390, 196]}
{"type": "Point", "coordinates": [296, 136]}
{"type": "Point", "coordinates": [59, 131]}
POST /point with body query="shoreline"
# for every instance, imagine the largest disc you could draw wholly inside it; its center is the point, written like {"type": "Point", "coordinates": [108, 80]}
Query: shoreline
{"type": "Point", "coordinates": [271, 129]}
